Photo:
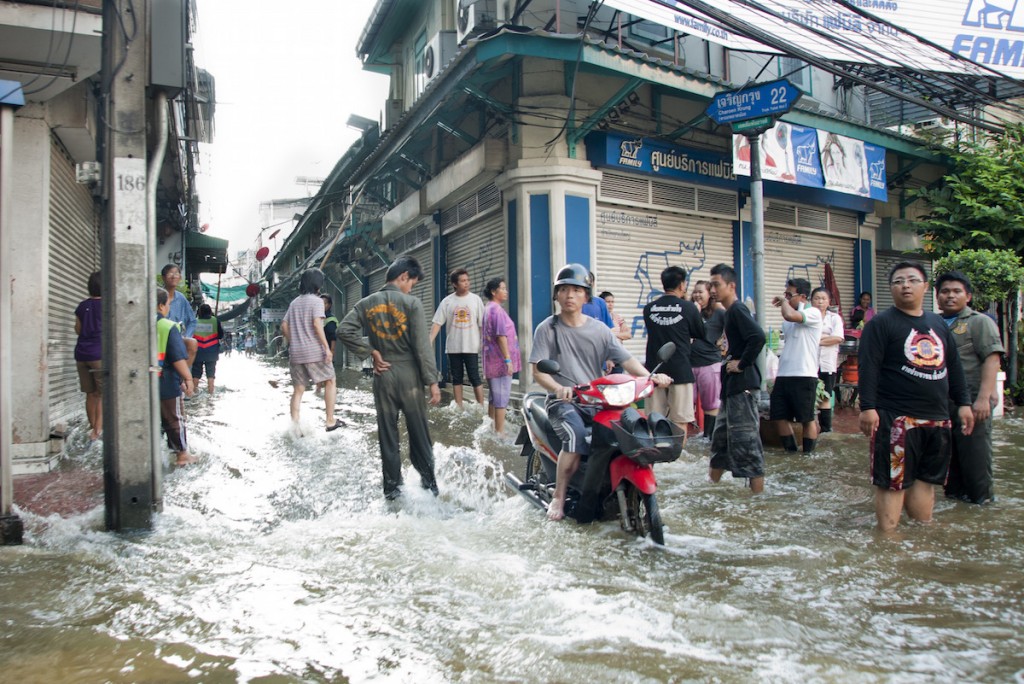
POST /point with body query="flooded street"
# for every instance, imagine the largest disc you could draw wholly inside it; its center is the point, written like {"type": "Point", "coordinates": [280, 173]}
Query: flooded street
{"type": "Point", "coordinates": [276, 559]}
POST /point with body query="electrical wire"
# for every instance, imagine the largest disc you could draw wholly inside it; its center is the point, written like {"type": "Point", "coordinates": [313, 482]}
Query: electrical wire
{"type": "Point", "coordinates": [49, 51]}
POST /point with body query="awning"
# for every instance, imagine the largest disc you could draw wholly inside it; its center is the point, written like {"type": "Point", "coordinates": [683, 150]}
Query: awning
{"type": "Point", "coordinates": [205, 253]}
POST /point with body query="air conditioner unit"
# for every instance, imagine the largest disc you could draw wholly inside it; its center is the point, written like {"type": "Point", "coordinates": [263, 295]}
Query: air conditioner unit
{"type": "Point", "coordinates": [392, 113]}
{"type": "Point", "coordinates": [473, 17]}
{"type": "Point", "coordinates": [937, 124]}
{"type": "Point", "coordinates": [438, 53]}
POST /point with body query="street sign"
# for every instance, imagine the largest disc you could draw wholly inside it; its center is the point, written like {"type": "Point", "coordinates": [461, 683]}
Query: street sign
{"type": "Point", "coordinates": [762, 122]}
{"type": "Point", "coordinates": [752, 102]}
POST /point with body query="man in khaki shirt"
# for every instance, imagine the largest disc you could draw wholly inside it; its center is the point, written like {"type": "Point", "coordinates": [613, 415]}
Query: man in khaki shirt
{"type": "Point", "coordinates": [977, 340]}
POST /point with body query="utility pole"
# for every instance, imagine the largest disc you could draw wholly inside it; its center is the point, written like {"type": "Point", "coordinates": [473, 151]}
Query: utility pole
{"type": "Point", "coordinates": [128, 299]}
{"type": "Point", "coordinates": [11, 527]}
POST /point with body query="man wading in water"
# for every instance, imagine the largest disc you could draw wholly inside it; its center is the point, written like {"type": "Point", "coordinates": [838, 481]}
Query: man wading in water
{"type": "Point", "coordinates": [403, 363]}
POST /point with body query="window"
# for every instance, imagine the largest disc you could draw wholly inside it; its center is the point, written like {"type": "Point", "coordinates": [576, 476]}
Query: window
{"type": "Point", "coordinates": [796, 71]}
{"type": "Point", "coordinates": [420, 50]}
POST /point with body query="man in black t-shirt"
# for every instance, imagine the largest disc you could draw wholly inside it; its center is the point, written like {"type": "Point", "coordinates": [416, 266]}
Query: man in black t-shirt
{"type": "Point", "coordinates": [670, 318]}
{"type": "Point", "coordinates": [736, 442]}
{"type": "Point", "coordinates": [910, 373]}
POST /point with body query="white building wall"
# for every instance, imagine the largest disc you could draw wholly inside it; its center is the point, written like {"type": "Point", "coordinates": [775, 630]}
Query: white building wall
{"type": "Point", "coordinates": [30, 290]}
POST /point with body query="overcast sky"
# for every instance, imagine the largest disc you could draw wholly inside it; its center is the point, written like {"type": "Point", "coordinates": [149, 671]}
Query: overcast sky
{"type": "Point", "coordinates": [287, 79]}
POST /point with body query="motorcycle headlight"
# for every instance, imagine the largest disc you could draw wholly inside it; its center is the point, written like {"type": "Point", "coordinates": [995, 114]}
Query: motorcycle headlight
{"type": "Point", "coordinates": [619, 395]}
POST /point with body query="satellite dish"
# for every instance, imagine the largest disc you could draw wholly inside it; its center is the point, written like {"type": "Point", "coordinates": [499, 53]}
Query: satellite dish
{"type": "Point", "coordinates": [262, 253]}
{"type": "Point", "coordinates": [252, 290]}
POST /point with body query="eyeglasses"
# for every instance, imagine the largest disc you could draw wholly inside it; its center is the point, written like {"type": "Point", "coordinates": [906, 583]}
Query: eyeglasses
{"type": "Point", "coordinates": [789, 295]}
{"type": "Point", "coordinates": [900, 282]}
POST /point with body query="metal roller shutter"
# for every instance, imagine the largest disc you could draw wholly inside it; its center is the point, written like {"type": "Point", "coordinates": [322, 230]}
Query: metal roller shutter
{"type": "Point", "coordinates": [74, 254]}
{"type": "Point", "coordinates": [790, 253]}
{"type": "Point", "coordinates": [377, 279]}
{"type": "Point", "coordinates": [481, 248]}
{"type": "Point", "coordinates": [425, 287]}
{"type": "Point", "coordinates": [635, 245]}
{"type": "Point", "coordinates": [882, 298]}
{"type": "Point", "coordinates": [353, 293]}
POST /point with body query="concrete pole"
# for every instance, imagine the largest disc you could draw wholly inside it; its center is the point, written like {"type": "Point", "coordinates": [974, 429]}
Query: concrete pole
{"type": "Point", "coordinates": [757, 226]}
{"type": "Point", "coordinates": [11, 527]}
{"type": "Point", "coordinates": [128, 300]}
{"type": "Point", "coordinates": [757, 247]}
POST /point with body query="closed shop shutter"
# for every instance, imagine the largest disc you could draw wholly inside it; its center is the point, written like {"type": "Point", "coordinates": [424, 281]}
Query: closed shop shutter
{"type": "Point", "coordinates": [882, 298]}
{"type": "Point", "coordinates": [791, 253]}
{"type": "Point", "coordinates": [377, 279]}
{"type": "Point", "coordinates": [74, 254]}
{"type": "Point", "coordinates": [424, 289]}
{"type": "Point", "coordinates": [480, 247]}
{"type": "Point", "coordinates": [635, 245]}
{"type": "Point", "coordinates": [353, 293]}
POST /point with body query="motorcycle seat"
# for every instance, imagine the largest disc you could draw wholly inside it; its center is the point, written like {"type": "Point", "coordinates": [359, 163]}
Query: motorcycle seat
{"type": "Point", "coordinates": [536, 405]}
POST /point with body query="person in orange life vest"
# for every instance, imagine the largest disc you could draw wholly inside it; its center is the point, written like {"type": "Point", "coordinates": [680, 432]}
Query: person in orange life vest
{"type": "Point", "coordinates": [207, 336]}
{"type": "Point", "coordinates": [175, 376]}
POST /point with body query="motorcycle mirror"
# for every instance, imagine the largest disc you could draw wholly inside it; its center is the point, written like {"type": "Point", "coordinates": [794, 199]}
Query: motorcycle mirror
{"type": "Point", "coordinates": [666, 351]}
{"type": "Point", "coordinates": [550, 366]}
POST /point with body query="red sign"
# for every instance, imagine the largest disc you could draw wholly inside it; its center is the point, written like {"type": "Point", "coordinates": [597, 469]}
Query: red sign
{"type": "Point", "coordinates": [252, 290]}
{"type": "Point", "coordinates": [262, 253]}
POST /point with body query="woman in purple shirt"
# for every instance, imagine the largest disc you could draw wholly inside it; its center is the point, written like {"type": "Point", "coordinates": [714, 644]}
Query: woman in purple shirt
{"type": "Point", "coordinates": [501, 351]}
{"type": "Point", "coordinates": [88, 352]}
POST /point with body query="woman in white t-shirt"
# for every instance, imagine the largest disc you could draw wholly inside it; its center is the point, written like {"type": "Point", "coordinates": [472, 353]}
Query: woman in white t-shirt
{"type": "Point", "coordinates": [828, 353]}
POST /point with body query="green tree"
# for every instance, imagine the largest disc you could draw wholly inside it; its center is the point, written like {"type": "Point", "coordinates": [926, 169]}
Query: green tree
{"type": "Point", "coordinates": [980, 205]}
{"type": "Point", "coordinates": [994, 274]}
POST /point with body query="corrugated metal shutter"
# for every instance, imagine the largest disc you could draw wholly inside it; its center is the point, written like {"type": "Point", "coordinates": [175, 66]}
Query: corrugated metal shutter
{"type": "Point", "coordinates": [425, 287]}
{"type": "Point", "coordinates": [882, 299]}
{"type": "Point", "coordinates": [480, 247]}
{"type": "Point", "coordinates": [791, 253]}
{"type": "Point", "coordinates": [353, 293]}
{"type": "Point", "coordinates": [74, 255]}
{"type": "Point", "coordinates": [378, 279]}
{"type": "Point", "coordinates": [635, 245]}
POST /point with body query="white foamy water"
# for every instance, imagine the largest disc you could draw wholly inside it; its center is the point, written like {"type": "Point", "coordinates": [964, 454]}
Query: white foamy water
{"type": "Point", "coordinates": [277, 559]}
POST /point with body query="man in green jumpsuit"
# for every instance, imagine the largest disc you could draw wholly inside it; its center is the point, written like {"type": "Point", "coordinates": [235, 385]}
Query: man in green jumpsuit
{"type": "Point", "coordinates": [403, 363]}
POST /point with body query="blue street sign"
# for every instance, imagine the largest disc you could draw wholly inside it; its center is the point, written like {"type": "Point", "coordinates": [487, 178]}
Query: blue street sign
{"type": "Point", "coordinates": [761, 99]}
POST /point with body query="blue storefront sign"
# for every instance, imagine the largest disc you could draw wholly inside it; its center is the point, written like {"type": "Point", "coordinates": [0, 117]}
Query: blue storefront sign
{"type": "Point", "coordinates": [647, 155]}
{"type": "Point", "coordinates": [791, 155]}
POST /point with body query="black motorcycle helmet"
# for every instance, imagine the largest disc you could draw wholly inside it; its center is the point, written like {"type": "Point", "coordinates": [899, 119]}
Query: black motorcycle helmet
{"type": "Point", "coordinates": [574, 274]}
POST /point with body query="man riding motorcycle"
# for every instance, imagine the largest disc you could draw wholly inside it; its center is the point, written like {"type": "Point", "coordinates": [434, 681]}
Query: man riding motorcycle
{"type": "Point", "coordinates": [581, 345]}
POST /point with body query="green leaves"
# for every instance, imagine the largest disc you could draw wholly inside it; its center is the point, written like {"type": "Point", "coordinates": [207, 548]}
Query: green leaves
{"type": "Point", "coordinates": [994, 273]}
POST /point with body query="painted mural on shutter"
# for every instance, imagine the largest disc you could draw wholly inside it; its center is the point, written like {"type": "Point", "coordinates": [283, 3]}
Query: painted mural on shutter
{"type": "Point", "coordinates": [635, 245]}
{"type": "Point", "coordinates": [74, 255]}
{"type": "Point", "coordinates": [790, 253]}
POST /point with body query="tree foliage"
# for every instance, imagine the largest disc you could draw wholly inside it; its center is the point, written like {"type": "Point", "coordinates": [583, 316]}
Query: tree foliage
{"type": "Point", "coordinates": [994, 274]}
{"type": "Point", "coordinates": [980, 202]}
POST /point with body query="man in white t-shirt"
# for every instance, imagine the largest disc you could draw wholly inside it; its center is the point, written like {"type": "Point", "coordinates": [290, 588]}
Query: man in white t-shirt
{"type": "Point", "coordinates": [462, 312]}
{"type": "Point", "coordinates": [796, 384]}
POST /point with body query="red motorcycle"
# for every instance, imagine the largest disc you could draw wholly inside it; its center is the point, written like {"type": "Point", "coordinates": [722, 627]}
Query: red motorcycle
{"type": "Point", "coordinates": [617, 480]}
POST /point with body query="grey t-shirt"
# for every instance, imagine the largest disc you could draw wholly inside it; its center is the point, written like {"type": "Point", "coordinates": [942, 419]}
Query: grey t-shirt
{"type": "Point", "coordinates": [582, 350]}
